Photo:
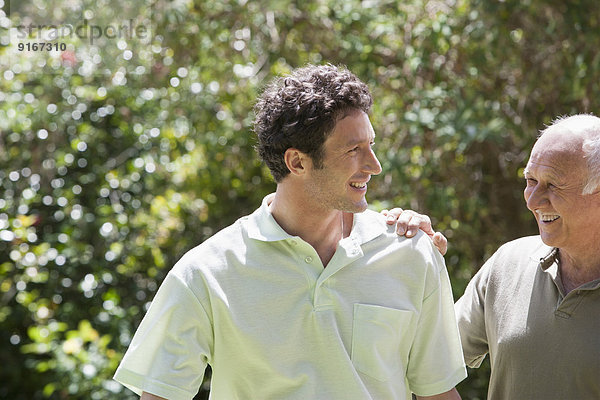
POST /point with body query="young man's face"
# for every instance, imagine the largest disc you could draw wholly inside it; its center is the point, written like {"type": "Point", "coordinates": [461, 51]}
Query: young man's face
{"type": "Point", "coordinates": [348, 163]}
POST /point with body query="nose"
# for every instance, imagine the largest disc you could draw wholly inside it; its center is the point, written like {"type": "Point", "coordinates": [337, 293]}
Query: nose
{"type": "Point", "coordinates": [372, 165]}
{"type": "Point", "coordinates": [535, 196]}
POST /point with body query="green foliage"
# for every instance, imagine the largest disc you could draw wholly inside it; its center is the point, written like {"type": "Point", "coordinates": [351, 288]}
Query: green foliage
{"type": "Point", "coordinates": [108, 175]}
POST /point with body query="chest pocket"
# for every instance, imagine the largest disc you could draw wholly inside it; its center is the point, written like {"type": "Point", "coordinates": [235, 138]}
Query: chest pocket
{"type": "Point", "coordinates": [380, 340]}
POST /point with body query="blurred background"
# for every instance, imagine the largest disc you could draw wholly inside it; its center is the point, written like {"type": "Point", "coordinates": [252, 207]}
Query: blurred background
{"type": "Point", "coordinates": [118, 155]}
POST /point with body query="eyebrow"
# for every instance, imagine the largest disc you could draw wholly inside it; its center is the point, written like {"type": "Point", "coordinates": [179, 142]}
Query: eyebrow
{"type": "Point", "coordinates": [551, 177]}
{"type": "Point", "coordinates": [355, 142]}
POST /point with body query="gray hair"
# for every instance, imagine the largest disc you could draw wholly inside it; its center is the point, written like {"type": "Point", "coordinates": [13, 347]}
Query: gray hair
{"type": "Point", "coordinates": [591, 146]}
{"type": "Point", "coordinates": [591, 149]}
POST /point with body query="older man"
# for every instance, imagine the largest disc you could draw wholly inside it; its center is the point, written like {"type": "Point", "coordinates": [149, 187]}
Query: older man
{"type": "Point", "coordinates": [311, 296]}
{"type": "Point", "coordinates": [535, 304]}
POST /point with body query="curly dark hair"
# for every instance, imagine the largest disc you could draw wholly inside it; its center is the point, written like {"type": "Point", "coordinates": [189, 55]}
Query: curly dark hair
{"type": "Point", "coordinates": [301, 110]}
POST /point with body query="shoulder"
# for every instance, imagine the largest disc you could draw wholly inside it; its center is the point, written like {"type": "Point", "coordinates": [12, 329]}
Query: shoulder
{"type": "Point", "coordinates": [512, 262]}
{"type": "Point", "coordinates": [372, 226]}
{"type": "Point", "coordinates": [373, 215]}
{"type": "Point", "coordinates": [527, 244]}
{"type": "Point", "coordinates": [520, 251]}
{"type": "Point", "coordinates": [418, 254]}
{"type": "Point", "coordinates": [421, 243]}
{"type": "Point", "coordinates": [211, 255]}
{"type": "Point", "coordinates": [415, 261]}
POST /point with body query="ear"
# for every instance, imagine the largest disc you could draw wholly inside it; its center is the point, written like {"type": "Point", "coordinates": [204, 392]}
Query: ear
{"type": "Point", "coordinates": [295, 160]}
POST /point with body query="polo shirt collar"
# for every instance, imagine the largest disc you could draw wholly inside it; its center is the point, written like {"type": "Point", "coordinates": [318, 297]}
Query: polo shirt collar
{"type": "Point", "coordinates": [548, 256]}
{"type": "Point", "coordinates": [367, 227]}
{"type": "Point", "coordinates": [547, 259]}
{"type": "Point", "coordinates": [544, 255]}
{"type": "Point", "coordinates": [262, 226]}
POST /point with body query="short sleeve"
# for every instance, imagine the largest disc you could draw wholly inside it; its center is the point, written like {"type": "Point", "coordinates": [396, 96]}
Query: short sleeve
{"type": "Point", "coordinates": [172, 346]}
{"type": "Point", "coordinates": [470, 315]}
{"type": "Point", "coordinates": [436, 362]}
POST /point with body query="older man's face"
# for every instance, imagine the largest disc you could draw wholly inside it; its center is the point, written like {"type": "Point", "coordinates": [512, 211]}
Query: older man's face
{"type": "Point", "coordinates": [555, 175]}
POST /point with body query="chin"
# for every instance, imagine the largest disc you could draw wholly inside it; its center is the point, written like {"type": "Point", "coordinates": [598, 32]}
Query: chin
{"type": "Point", "coordinates": [549, 240]}
{"type": "Point", "coordinates": [351, 205]}
{"type": "Point", "coordinates": [358, 208]}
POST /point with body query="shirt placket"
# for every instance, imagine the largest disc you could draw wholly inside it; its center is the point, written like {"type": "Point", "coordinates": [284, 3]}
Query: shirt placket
{"type": "Point", "coordinates": [348, 251]}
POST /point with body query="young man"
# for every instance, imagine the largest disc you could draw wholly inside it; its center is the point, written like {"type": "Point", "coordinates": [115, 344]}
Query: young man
{"type": "Point", "coordinates": [311, 296]}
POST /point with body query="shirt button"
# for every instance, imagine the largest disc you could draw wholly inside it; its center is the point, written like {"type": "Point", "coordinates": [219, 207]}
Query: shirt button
{"type": "Point", "coordinates": [308, 259]}
{"type": "Point", "coordinates": [293, 242]}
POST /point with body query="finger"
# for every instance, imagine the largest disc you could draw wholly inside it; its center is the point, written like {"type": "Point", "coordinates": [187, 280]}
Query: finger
{"type": "Point", "coordinates": [440, 242]}
{"type": "Point", "coordinates": [416, 222]}
{"type": "Point", "coordinates": [403, 221]}
{"type": "Point", "coordinates": [392, 215]}
{"type": "Point", "coordinates": [396, 211]}
{"type": "Point", "coordinates": [389, 219]}
{"type": "Point", "coordinates": [424, 223]}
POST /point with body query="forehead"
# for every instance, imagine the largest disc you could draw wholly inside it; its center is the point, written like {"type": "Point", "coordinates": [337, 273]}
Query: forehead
{"type": "Point", "coordinates": [559, 155]}
{"type": "Point", "coordinates": [354, 128]}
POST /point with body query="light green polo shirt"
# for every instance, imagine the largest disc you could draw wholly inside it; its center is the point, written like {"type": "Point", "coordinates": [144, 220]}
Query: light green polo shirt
{"type": "Point", "coordinates": [257, 305]}
{"type": "Point", "coordinates": [543, 344]}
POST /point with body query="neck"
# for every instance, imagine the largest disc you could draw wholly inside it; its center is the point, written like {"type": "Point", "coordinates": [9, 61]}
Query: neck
{"type": "Point", "coordinates": [322, 228]}
{"type": "Point", "coordinates": [576, 271]}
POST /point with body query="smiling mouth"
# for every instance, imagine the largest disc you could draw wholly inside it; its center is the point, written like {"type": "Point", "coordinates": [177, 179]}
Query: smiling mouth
{"type": "Point", "coordinates": [358, 185]}
{"type": "Point", "coordinates": [547, 218]}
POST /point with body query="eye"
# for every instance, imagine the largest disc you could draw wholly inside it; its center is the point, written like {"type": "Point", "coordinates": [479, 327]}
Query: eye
{"type": "Point", "coordinates": [354, 150]}
{"type": "Point", "coordinates": [530, 181]}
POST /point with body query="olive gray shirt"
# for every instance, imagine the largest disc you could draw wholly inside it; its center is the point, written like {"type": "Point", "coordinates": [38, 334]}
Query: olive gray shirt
{"type": "Point", "coordinates": [542, 344]}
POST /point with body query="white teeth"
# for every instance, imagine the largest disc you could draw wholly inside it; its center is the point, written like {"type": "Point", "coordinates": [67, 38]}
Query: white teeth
{"type": "Point", "coordinates": [358, 185]}
{"type": "Point", "coordinates": [548, 217]}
